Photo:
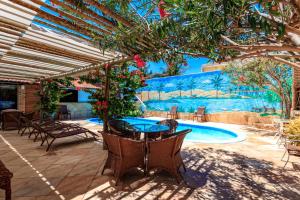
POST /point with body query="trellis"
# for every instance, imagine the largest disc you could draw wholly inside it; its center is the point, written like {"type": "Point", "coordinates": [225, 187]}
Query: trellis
{"type": "Point", "coordinates": [39, 39]}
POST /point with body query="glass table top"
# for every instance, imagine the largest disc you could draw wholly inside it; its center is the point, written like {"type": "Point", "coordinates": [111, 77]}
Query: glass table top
{"type": "Point", "coordinates": [150, 128]}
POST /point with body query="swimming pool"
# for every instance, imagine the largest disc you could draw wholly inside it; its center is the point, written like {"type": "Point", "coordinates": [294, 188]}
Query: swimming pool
{"type": "Point", "coordinates": [200, 133]}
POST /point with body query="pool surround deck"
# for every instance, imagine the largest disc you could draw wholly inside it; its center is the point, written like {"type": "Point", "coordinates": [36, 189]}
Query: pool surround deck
{"type": "Point", "coordinates": [250, 169]}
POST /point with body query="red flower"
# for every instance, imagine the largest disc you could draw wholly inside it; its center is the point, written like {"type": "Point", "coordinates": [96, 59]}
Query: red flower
{"type": "Point", "coordinates": [122, 76]}
{"type": "Point", "coordinates": [106, 66]}
{"type": "Point", "coordinates": [162, 12]}
{"type": "Point", "coordinates": [77, 88]}
{"type": "Point", "coordinates": [135, 72]}
{"type": "Point", "coordinates": [104, 104]}
{"type": "Point", "coordinates": [100, 105]}
{"type": "Point", "coordinates": [139, 61]}
{"type": "Point", "coordinates": [242, 78]}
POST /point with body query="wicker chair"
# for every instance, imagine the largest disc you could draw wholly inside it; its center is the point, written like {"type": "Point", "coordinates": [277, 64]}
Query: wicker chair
{"type": "Point", "coordinates": [10, 119]}
{"type": "Point", "coordinates": [26, 122]}
{"type": "Point", "coordinates": [292, 148]}
{"type": "Point", "coordinates": [173, 112]}
{"type": "Point", "coordinates": [173, 124]}
{"type": "Point", "coordinates": [123, 129]}
{"type": "Point", "coordinates": [199, 113]}
{"type": "Point", "coordinates": [165, 154]}
{"type": "Point", "coordinates": [5, 180]}
{"type": "Point", "coordinates": [123, 154]}
{"type": "Point", "coordinates": [63, 112]}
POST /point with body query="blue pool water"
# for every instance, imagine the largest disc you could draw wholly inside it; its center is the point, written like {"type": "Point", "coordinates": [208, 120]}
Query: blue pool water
{"type": "Point", "coordinates": [203, 134]}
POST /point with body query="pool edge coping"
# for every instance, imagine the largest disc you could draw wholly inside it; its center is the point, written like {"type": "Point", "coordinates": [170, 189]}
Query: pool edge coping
{"type": "Point", "coordinates": [240, 136]}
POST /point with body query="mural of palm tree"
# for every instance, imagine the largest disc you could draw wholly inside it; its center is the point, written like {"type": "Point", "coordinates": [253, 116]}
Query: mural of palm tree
{"type": "Point", "coordinates": [160, 88]}
{"type": "Point", "coordinates": [191, 86]}
{"type": "Point", "coordinates": [179, 86]}
{"type": "Point", "coordinates": [217, 82]}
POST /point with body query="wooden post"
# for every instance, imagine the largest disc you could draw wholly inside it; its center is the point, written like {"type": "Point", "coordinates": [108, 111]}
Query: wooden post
{"type": "Point", "coordinates": [106, 97]}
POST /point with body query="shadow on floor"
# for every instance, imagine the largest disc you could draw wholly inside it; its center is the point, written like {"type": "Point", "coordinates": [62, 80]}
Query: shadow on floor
{"type": "Point", "coordinates": [211, 174]}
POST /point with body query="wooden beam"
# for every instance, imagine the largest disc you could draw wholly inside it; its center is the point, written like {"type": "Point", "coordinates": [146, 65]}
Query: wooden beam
{"type": "Point", "coordinates": [26, 69]}
{"type": "Point", "coordinates": [90, 12]}
{"type": "Point", "coordinates": [56, 51]}
{"type": "Point", "coordinates": [109, 12]}
{"type": "Point", "coordinates": [30, 66]}
{"type": "Point", "coordinates": [97, 18]}
{"type": "Point", "coordinates": [15, 79]}
{"type": "Point", "coordinates": [41, 59]}
{"type": "Point", "coordinates": [18, 73]}
{"type": "Point", "coordinates": [75, 19]}
{"type": "Point", "coordinates": [57, 20]}
{"type": "Point", "coordinates": [90, 67]}
{"type": "Point", "coordinates": [60, 29]}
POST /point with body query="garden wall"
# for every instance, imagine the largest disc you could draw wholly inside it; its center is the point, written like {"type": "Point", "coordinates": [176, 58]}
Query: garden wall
{"type": "Point", "coordinates": [241, 118]}
{"type": "Point", "coordinates": [223, 101]}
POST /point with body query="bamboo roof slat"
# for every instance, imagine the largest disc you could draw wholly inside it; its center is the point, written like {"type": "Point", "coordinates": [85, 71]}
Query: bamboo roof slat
{"type": "Point", "coordinates": [40, 40]}
{"type": "Point", "coordinates": [26, 69]}
{"type": "Point", "coordinates": [64, 14]}
{"type": "Point", "coordinates": [34, 67]}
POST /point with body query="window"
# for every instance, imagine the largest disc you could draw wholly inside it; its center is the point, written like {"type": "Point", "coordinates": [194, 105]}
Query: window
{"type": "Point", "coordinates": [8, 96]}
{"type": "Point", "coordinates": [71, 97]}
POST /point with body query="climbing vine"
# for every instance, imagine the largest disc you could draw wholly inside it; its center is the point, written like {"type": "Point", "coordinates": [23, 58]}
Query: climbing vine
{"type": "Point", "coordinates": [51, 91]}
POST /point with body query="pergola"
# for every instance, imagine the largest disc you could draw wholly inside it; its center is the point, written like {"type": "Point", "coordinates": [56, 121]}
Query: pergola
{"type": "Point", "coordinates": [39, 40]}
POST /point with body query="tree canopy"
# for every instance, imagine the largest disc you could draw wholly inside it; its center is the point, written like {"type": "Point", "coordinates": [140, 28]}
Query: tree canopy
{"type": "Point", "coordinates": [219, 29]}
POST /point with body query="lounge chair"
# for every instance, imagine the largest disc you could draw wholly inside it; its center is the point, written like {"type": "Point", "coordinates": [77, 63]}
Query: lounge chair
{"type": "Point", "coordinates": [63, 112]}
{"type": "Point", "coordinates": [292, 148]}
{"type": "Point", "coordinates": [199, 113]}
{"type": "Point", "coordinates": [54, 130]}
{"type": "Point", "coordinates": [26, 122]}
{"type": "Point", "coordinates": [48, 125]}
{"type": "Point", "coordinates": [123, 129]}
{"type": "Point", "coordinates": [173, 112]}
{"type": "Point", "coordinates": [10, 119]}
{"type": "Point", "coordinates": [5, 180]}
{"type": "Point", "coordinates": [123, 154]}
{"type": "Point", "coordinates": [173, 124]}
{"type": "Point", "coordinates": [165, 154]}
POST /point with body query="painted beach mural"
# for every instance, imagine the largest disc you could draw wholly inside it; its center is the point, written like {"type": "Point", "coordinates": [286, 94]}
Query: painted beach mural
{"type": "Point", "coordinates": [213, 90]}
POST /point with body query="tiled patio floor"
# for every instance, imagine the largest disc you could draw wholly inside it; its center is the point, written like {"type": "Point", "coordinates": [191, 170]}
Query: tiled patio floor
{"type": "Point", "coordinates": [72, 170]}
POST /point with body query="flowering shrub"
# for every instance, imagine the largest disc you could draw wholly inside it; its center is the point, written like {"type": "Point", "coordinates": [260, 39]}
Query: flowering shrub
{"type": "Point", "coordinates": [122, 90]}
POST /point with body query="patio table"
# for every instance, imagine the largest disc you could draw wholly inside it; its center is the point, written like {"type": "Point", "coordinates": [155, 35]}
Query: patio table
{"type": "Point", "coordinates": [147, 129]}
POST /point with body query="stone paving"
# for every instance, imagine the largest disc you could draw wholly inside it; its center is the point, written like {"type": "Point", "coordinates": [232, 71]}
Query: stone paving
{"type": "Point", "coordinates": [251, 169]}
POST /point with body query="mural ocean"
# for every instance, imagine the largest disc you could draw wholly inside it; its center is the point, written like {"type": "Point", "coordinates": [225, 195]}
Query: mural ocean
{"type": "Point", "coordinates": [210, 89]}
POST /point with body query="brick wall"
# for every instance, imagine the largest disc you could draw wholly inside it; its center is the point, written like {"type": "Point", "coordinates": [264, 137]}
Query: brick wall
{"type": "Point", "coordinates": [21, 97]}
{"type": "Point", "coordinates": [31, 98]}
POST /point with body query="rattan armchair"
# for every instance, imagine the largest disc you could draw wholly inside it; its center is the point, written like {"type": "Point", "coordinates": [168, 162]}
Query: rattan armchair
{"type": "Point", "coordinates": [172, 123]}
{"type": "Point", "coordinates": [165, 154]}
{"type": "Point", "coordinates": [10, 119]}
{"type": "Point", "coordinates": [123, 154]}
{"type": "Point", "coordinates": [5, 180]}
{"type": "Point", "coordinates": [122, 128]}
